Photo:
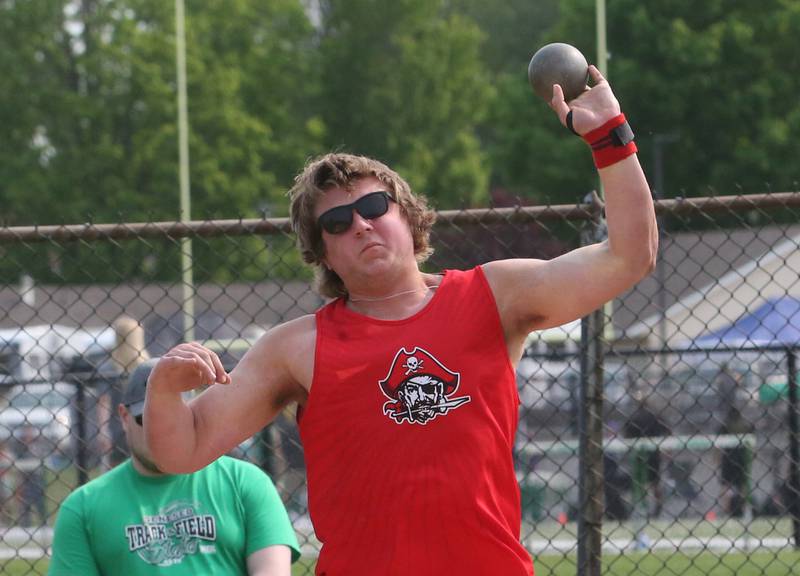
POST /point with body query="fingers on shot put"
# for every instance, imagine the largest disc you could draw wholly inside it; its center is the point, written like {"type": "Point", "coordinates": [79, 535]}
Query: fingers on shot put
{"type": "Point", "coordinates": [558, 104]}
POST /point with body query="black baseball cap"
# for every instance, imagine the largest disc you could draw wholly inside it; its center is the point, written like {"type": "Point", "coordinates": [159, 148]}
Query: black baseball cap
{"type": "Point", "coordinates": [133, 397]}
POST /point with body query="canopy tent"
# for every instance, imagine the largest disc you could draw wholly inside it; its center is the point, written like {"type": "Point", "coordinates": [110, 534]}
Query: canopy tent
{"type": "Point", "coordinates": [775, 322]}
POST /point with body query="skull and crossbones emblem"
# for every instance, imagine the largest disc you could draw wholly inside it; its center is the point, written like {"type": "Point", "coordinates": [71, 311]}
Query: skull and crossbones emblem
{"type": "Point", "coordinates": [413, 364]}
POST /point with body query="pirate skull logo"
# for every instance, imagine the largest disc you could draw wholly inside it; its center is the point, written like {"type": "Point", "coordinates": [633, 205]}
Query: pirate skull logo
{"type": "Point", "coordinates": [419, 388]}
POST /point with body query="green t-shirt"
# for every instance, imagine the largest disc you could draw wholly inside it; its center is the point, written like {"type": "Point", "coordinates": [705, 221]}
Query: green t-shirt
{"type": "Point", "coordinates": [208, 522]}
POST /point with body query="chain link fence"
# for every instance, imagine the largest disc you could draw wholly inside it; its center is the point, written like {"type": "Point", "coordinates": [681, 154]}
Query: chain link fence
{"type": "Point", "coordinates": [658, 435]}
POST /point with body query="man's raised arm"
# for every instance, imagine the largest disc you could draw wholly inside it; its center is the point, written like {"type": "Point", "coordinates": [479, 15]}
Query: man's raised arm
{"type": "Point", "coordinates": [535, 294]}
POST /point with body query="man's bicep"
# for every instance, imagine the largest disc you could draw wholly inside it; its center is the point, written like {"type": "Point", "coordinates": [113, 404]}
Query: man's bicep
{"type": "Point", "coordinates": [258, 390]}
{"type": "Point", "coordinates": [269, 368]}
{"type": "Point", "coordinates": [538, 294]}
{"type": "Point", "coordinates": [71, 548]}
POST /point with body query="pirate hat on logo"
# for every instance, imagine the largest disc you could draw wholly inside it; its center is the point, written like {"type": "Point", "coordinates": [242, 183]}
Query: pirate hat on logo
{"type": "Point", "coordinates": [418, 362]}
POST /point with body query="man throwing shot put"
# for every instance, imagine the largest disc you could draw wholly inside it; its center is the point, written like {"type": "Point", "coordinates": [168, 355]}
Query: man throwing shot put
{"type": "Point", "coordinates": [405, 381]}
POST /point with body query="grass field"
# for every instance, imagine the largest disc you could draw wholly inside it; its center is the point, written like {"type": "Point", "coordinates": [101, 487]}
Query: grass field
{"type": "Point", "coordinates": [757, 562]}
{"type": "Point", "coordinates": [782, 563]}
{"type": "Point", "coordinates": [304, 567]}
{"type": "Point", "coordinates": [676, 529]}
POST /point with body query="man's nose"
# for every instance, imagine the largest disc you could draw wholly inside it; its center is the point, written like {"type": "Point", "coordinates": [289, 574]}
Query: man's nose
{"type": "Point", "coordinates": [360, 224]}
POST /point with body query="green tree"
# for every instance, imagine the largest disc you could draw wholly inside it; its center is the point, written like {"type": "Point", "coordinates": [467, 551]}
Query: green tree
{"type": "Point", "coordinates": [26, 39]}
{"type": "Point", "coordinates": [403, 81]}
{"type": "Point", "coordinates": [90, 99]}
{"type": "Point", "coordinates": [513, 30]}
{"type": "Point", "coordinates": [533, 156]}
{"type": "Point", "coordinates": [720, 76]}
{"type": "Point", "coordinates": [252, 88]}
{"type": "Point", "coordinates": [530, 154]}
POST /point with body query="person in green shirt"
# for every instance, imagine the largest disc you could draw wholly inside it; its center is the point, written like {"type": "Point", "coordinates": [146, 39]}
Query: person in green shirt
{"type": "Point", "coordinates": [226, 518]}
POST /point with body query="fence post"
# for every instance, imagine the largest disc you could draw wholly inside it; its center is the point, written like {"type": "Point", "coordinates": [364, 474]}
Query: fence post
{"type": "Point", "coordinates": [590, 420]}
{"type": "Point", "coordinates": [129, 351]}
{"type": "Point", "coordinates": [82, 452]}
{"type": "Point", "coordinates": [794, 448]}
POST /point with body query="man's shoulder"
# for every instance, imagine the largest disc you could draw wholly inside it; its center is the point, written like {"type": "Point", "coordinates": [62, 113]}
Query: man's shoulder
{"type": "Point", "coordinates": [235, 472]}
{"type": "Point", "coordinates": [290, 332]}
{"type": "Point", "coordinates": [277, 340]}
{"type": "Point", "coordinates": [109, 480]}
{"type": "Point", "coordinates": [301, 324]}
{"type": "Point", "coordinates": [232, 464]}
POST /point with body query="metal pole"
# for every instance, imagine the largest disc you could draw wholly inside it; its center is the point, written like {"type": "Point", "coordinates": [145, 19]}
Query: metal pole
{"type": "Point", "coordinates": [590, 426]}
{"type": "Point", "coordinates": [659, 141]}
{"type": "Point", "coordinates": [602, 65]}
{"type": "Point", "coordinates": [187, 281]}
{"type": "Point", "coordinates": [602, 49]}
{"type": "Point", "coordinates": [794, 448]}
{"type": "Point", "coordinates": [658, 177]}
{"type": "Point", "coordinates": [82, 454]}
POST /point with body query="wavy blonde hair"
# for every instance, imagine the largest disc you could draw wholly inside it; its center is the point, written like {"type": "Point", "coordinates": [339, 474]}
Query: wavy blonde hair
{"type": "Point", "coordinates": [338, 170]}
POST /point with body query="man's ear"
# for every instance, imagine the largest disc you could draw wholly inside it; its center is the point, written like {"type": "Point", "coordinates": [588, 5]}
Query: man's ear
{"type": "Point", "coordinates": [121, 411]}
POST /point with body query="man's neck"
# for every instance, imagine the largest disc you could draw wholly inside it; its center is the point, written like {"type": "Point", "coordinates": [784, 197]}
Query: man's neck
{"type": "Point", "coordinates": [146, 469]}
{"type": "Point", "coordinates": [395, 304]}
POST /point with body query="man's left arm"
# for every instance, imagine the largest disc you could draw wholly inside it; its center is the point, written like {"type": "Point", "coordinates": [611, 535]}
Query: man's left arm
{"type": "Point", "coordinates": [271, 545]}
{"type": "Point", "coordinates": [270, 561]}
{"type": "Point", "coordinates": [536, 294]}
{"type": "Point", "coordinates": [72, 548]}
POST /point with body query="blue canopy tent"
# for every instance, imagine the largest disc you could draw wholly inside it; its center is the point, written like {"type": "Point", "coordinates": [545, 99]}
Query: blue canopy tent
{"type": "Point", "coordinates": [774, 324]}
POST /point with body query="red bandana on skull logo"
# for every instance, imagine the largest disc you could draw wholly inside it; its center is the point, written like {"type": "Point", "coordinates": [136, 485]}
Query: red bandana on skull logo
{"type": "Point", "coordinates": [419, 387]}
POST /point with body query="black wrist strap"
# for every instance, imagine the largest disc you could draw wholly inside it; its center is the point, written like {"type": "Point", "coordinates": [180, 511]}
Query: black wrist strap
{"type": "Point", "coordinates": [569, 123]}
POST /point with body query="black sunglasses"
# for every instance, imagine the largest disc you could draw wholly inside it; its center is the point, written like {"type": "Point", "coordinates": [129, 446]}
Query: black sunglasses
{"type": "Point", "coordinates": [369, 206]}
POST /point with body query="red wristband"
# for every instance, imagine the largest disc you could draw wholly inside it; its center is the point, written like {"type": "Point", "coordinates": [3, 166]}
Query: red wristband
{"type": "Point", "coordinates": [607, 146]}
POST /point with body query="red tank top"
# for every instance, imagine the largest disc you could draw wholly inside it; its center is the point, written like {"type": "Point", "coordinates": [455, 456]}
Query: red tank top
{"type": "Point", "coordinates": [408, 434]}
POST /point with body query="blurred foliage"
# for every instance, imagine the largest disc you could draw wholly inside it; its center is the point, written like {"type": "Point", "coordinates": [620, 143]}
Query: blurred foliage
{"type": "Point", "coordinates": [404, 82]}
{"type": "Point", "coordinates": [435, 88]}
{"type": "Point", "coordinates": [91, 105]}
{"type": "Point", "coordinates": [718, 77]}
